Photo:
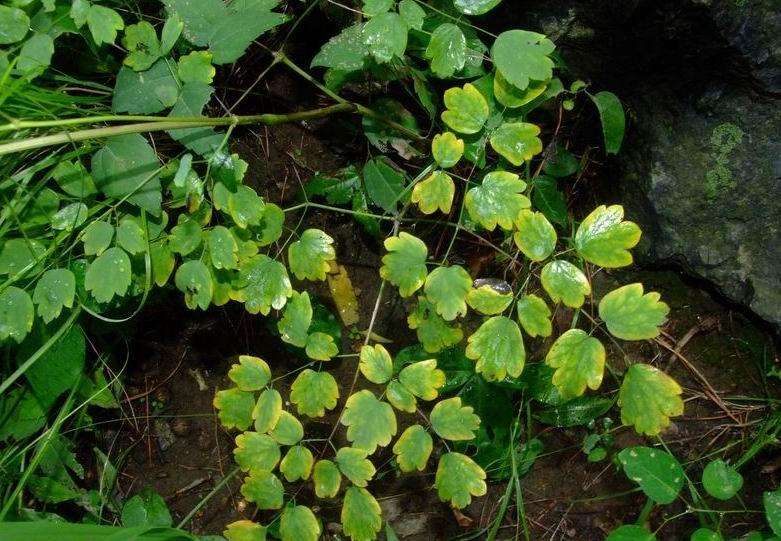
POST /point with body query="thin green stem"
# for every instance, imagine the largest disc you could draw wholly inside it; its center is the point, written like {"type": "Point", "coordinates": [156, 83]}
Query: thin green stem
{"type": "Point", "coordinates": [219, 486]}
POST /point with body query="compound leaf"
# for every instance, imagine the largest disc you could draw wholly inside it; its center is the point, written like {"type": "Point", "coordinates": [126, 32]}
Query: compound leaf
{"type": "Point", "coordinates": [579, 360]}
{"type": "Point", "coordinates": [566, 283]}
{"type": "Point", "coordinates": [375, 364]}
{"type": "Point", "coordinates": [109, 274]}
{"type": "Point", "coordinates": [314, 392]}
{"type": "Point", "coordinates": [413, 449]}
{"type": "Point", "coordinates": [516, 142]}
{"type": "Point", "coordinates": [326, 478]}
{"type": "Point", "coordinates": [458, 478]}
{"type": "Point", "coordinates": [256, 452]}
{"type": "Point", "coordinates": [648, 398]}
{"type": "Point", "coordinates": [534, 316]}
{"type": "Point", "coordinates": [405, 263]}
{"type": "Point", "coordinates": [264, 489]}
{"type": "Point", "coordinates": [54, 291]}
{"type": "Point", "coordinates": [297, 463]}
{"type": "Point", "coordinates": [294, 325]}
{"type": "Point", "coordinates": [423, 379]}
{"type": "Point", "coordinates": [522, 56]}
{"type": "Point", "coordinates": [497, 346]}
{"type": "Point", "coordinates": [234, 408]}
{"type": "Point", "coordinates": [721, 480]}
{"type": "Point", "coordinates": [604, 239]}
{"type": "Point", "coordinates": [466, 110]}
{"type": "Point", "coordinates": [498, 200]}
{"type": "Point", "coordinates": [446, 50]}
{"type": "Point", "coordinates": [447, 149]}
{"type": "Point", "coordinates": [447, 288]}
{"type": "Point", "coordinates": [309, 255]}
{"type": "Point", "coordinates": [658, 473]}
{"type": "Point", "coordinates": [370, 422]}
{"type": "Point", "coordinates": [355, 466]}
{"type": "Point", "coordinates": [535, 237]}
{"type": "Point", "coordinates": [630, 315]}
{"type": "Point", "coordinates": [453, 421]}
{"type": "Point", "coordinates": [435, 192]}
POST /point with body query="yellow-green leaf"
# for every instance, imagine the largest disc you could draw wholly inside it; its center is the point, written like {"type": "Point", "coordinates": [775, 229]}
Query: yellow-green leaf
{"type": "Point", "coordinates": [534, 316]}
{"type": "Point", "coordinates": [498, 200]}
{"type": "Point", "coordinates": [294, 325]}
{"type": "Point", "coordinates": [404, 265]}
{"type": "Point", "coordinates": [297, 464]}
{"type": "Point", "coordinates": [309, 256]}
{"type": "Point", "coordinates": [566, 283]}
{"type": "Point", "coordinates": [433, 331]}
{"type": "Point", "coordinates": [435, 192]}
{"type": "Point", "coordinates": [256, 452]}
{"type": "Point", "coordinates": [326, 478]}
{"type": "Point", "coordinates": [110, 274]}
{"type": "Point", "coordinates": [517, 142]}
{"type": "Point", "coordinates": [447, 288]}
{"type": "Point", "coordinates": [458, 478]}
{"type": "Point", "coordinates": [453, 421]}
{"type": "Point", "coordinates": [263, 284]}
{"type": "Point", "coordinates": [511, 96]}
{"type": "Point", "coordinates": [487, 300]}
{"type": "Point", "coordinates": [361, 515]}
{"type": "Point", "coordinates": [244, 530]}
{"type": "Point", "coordinates": [355, 466]}
{"type": "Point", "coordinates": [630, 315]}
{"type": "Point", "coordinates": [288, 430]}
{"type": "Point", "coordinates": [299, 523]}
{"type": "Point", "coordinates": [579, 360]}
{"type": "Point", "coordinates": [321, 346]}
{"type": "Point", "coordinates": [251, 374]}
{"type": "Point", "coordinates": [400, 398]}
{"type": "Point", "coordinates": [55, 290]}
{"type": "Point", "coordinates": [370, 422]}
{"type": "Point", "coordinates": [497, 346]}
{"type": "Point", "coordinates": [267, 410]}
{"type": "Point", "coordinates": [314, 392]}
{"type": "Point", "coordinates": [604, 239]}
{"type": "Point", "coordinates": [263, 489]}
{"type": "Point", "coordinates": [423, 379]}
{"type": "Point", "coordinates": [447, 149]}
{"type": "Point", "coordinates": [375, 363]}
{"type": "Point", "coordinates": [648, 398]}
{"type": "Point", "coordinates": [413, 449]}
{"type": "Point", "coordinates": [234, 408]}
{"type": "Point", "coordinates": [535, 237]}
{"type": "Point", "coordinates": [195, 281]}
{"type": "Point", "coordinates": [466, 110]}
{"type": "Point", "coordinates": [223, 248]}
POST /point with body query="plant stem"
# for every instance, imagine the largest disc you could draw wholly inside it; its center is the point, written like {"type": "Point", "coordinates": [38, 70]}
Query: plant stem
{"type": "Point", "coordinates": [645, 512]}
{"type": "Point", "coordinates": [219, 486]}
{"type": "Point", "coordinates": [268, 119]}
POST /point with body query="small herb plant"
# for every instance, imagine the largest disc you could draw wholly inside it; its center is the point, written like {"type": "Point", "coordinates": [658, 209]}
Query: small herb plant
{"type": "Point", "coordinates": [95, 227]}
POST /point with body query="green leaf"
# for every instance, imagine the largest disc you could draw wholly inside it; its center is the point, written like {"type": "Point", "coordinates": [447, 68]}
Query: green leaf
{"type": "Point", "coordinates": [604, 239]}
{"type": "Point", "coordinates": [522, 56]}
{"type": "Point", "coordinates": [186, 236]}
{"type": "Point", "coordinates": [548, 199]}
{"type": "Point", "coordinates": [412, 14]}
{"type": "Point", "coordinates": [145, 92]}
{"type": "Point", "coordinates": [321, 346]}
{"type": "Point", "coordinates": [384, 184]}
{"type": "Point", "coordinates": [21, 254]}
{"type": "Point", "coordinates": [264, 490]}
{"type": "Point", "coordinates": [288, 430]}
{"type": "Point", "coordinates": [611, 113]}
{"type": "Point", "coordinates": [204, 141]}
{"type": "Point", "coordinates": [251, 374]}
{"type": "Point", "coordinates": [630, 315]}
{"type": "Point", "coordinates": [223, 248]}
{"type": "Point", "coordinates": [706, 534]}
{"type": "Point", "coordinates": [413, 449]}
{"type": "Point", "coordinates": [227, 29]}
{"type": "Point", "coordinates": [375, 7]}
{"type": "Point", "coordinates": [74, 179]}
{"type": "Point", "coordinates": [447, 149]}
{"type": "Point", "coordinates": [16, 314]}
{"type": "Point", "coordinates": [386, 36]}
{"type": "Point", "coordinates": [234, 408]}
{"type": "Point", "coordinates": [400, 398]}
{"type": "Point", "coordinates": [314, 392]}
{"type": "Point", "coordinates": [375, 364]}
{"type": "Point", "coordinates": [14, 25]}
{"type": "Point", "coordinates": [70, 217]}
{"type": "Point", "coordinates": [658, 473]}
{"type": "Point", "coordinates": [580, 411]}
{"type": "Point", "coordinates": [466, 110]}
{"type": "Point", "coordinates": [630, 532]}
{"type": "Point", "coordinates": [404, 265]}
{"type": "Point", "coordinates": [346, 51]}
{"type": "Point", "coordinates": [423, 379]}
{"type": "Point", "coordinates": [131, 236]}
{"type": "Point", "coordinates": [270, 224]}
{"type": "Point", "coordinates": [566, 283]}
{"type": "Point", "coordinates": [452, 421]}
{"type": "Point", "coordinates": [326, 478]}
{"type": "Point", "coordinates": [297, 464]}
{"type": "Point", "coordinates": [447, 288]}
{"type": "Point", "coordinates": [458, 478]}
{"type": "Point", "coordinates": [370, 422]}
{"type": "Point", "coordinates": [535, 237]}
{"type": "Point", "coordinates": [245, 206]}
{"type": "Point", "coordinates": [147, 509]}
{"type": "Point", "coordinates": [721, 480]}
{"type": "Point", "coordinates": [35, 55]}
{"type": "Point", "coordinates": [579, 360]}
{"type": "Point", "coordinates": [267, 411]}
{"type": "Point", "coordinates": [103, 24]}
{"type": "Point", "coordinates": [127, 166]}
{"type": "Point", "coordinates": [194, 280]}
{"type": "Point", "coordinates": [771, 501]}
{"type": "Point", "coordinates": [172, 29]}
{"type": "Point", "coordinates": [517, 142]}
{"type": "Point", "coordinates": [54, 291]}
{"type": "Point", "coordinates": [435, 192]}
{"type": "Point", "coordinates": [487, 300]}
{"type": "Point", "coordinates": [108, 275]}
{"type": "Point", "coordinates": [511, 96]}
{"type": "Point", "coordinates": [475, 7]}
{"type": "Point", "coordinates": [141, 41]}
{"type": "Point", "coordinates": [309, 255]}
{"type": "Point", "coordinates": [196, 67]}
{"type": "Point", "coordinates": [433, 331]}
{"type": "Point", "coordinates": [244, 530]}
{"type": "Point", "coordinates": [562, 163]}
{"type": "Point", "coordinates": [162, 262]}
{"type": "Point", "coordinates": [534, 316]}
{"type": "Point", "coordinates": [256, 452]}
{"type": "Point", "coordinates": [446, 50]}
{"type": "Point", "coordinates": [498, 200]}
{"type": "Point", "coordinates": [355, 466]}
{"type": "Point", "coordinates": [361, 515]}
{"type": "Point", "coordinates": [497, 346]}
{"type": "Point", "coordinates": [264, 284]}
{"type": "Point", "coordinates": [60, 368]}
{"type": "Point", "coordinates": [299, 523]}
{"type": "Point", "coordinates": [648, 398]}
{"type": "Point", "coordinates": [294, 325]}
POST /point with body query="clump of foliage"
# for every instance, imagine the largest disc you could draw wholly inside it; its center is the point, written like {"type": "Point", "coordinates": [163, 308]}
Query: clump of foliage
{"type": "Point", "coordinates": [94, 225]}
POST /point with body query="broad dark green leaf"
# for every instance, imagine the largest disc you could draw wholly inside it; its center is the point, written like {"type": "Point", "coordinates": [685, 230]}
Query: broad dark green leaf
{"type": "Point", "coordinates": [611, 113]}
